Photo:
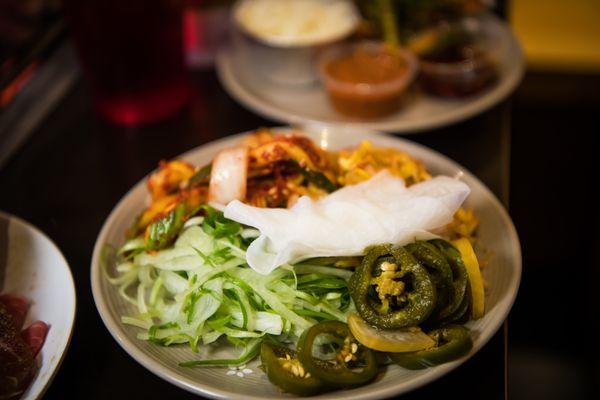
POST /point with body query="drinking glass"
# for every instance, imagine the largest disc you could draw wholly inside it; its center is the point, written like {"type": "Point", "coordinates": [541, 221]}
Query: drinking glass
{"type": "Point", "coordinates": [132, 55]}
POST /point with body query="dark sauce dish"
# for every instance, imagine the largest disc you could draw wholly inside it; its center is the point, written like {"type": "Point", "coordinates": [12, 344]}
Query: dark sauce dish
{"type": "Point", "coordinates": [456, 60]}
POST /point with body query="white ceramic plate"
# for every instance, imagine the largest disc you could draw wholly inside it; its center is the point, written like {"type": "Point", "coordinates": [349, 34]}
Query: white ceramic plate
{"type": "Point", "coordinates": [37, 271]}
{"type": "Point", "coordinates": [296, 104]}
{"type": "Point", "coordinates": [497, 235]}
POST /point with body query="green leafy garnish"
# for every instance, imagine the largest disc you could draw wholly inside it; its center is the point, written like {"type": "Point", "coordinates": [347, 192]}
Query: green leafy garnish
{"type": "Point", "coordinates": [251, 350]}
{"type": "Point", "coordinates": [317, 178]}
{"type": "Point", "coordinates": [164, 230]}
{"type": "Point", "coordinates": [215, 224]}
{"type": "Point", "coordinates": [202, 176]}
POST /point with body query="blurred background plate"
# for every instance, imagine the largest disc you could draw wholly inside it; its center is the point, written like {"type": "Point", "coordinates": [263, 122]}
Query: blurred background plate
{"type": "Point", "coordinates": [497, 236]}
{"type": "Point", "coordinates": [295, 104]}
{"type": "Point", "coordinates": [36, 270]}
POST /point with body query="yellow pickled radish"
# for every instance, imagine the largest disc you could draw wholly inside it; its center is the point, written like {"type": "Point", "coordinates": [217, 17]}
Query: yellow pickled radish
{"type": "Point", "coordinates": [474, 272]}
{"type": "Point", "coordinates": [393, 341]}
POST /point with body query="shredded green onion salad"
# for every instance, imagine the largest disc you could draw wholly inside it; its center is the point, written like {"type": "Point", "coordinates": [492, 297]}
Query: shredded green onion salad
{"type": "Point", "coordinates": [200, 290]}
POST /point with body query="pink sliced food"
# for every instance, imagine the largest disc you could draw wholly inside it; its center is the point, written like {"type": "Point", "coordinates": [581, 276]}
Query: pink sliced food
{"type": "Point", "coordinates": [35, 335]}
{"type": "Point", "coordinates": [18, 349]}
{"type": "Point", "coordinates": [17, 307]}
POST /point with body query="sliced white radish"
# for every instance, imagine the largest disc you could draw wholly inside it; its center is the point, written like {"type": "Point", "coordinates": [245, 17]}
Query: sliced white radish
{"type": "Point", "coordinates": [228, 176]}
{"type": "Point", "coordinates": [345, 222]}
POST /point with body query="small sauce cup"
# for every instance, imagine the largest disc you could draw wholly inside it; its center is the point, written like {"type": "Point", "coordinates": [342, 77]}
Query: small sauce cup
{"type": "Point", "coordinates": [366, 80]}
{"type": "Point", "coordinates": [465, 69]}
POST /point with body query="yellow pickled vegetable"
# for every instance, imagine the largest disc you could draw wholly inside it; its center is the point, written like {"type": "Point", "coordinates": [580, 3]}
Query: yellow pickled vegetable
{"type": "Point", "coordinates": [393, 341]}
{"type": "Point", "coordinates": [473, 271]}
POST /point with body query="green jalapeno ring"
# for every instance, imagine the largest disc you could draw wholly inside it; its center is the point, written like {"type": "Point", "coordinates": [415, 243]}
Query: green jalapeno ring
{"type": "Point", "coordinates": [461, 315]}
{"type": "Point", "coordinates": [421, 299]}
{"type": "Point", "coordinates": [439, 268]}
{"type": "Point", "coordinates": [428, 255]}
{"type": "Point", "coordinates": [455, 342]}
{"type": "Point", "coordinates": [459, 273]}
{"type": "Point", "coordinates": [360, 280]}
{"type": "Point", "coordinates": [337, 374]}
{"type": "Point", "coordinates": [280, 363]}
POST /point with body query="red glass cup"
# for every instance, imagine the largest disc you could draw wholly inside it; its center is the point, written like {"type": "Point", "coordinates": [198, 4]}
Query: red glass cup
{"type": "Point", "coordinates": [132, 54]}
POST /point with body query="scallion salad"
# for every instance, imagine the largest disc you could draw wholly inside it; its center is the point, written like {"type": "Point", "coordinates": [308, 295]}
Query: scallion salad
{"type": "Point", "coordinates": [201, 290]}
{"type": "Point", "coordinates": [194, 276]}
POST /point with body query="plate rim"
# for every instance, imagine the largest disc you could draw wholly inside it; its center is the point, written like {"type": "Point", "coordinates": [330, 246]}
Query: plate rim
{"type": "Point", "coordinates": [64, 345]}
{"type": "Point", "coordinates": [236, 89]}
{"type": "Point", "coordinates": [115, 328]}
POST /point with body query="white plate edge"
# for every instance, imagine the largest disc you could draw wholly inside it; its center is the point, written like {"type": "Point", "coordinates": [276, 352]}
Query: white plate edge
{"type": "Point", "coordinates": [66, 341]}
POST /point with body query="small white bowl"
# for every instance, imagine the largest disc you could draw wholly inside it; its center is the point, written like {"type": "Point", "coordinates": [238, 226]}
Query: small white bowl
{"type": "Point", "coordinates": [287, 61]}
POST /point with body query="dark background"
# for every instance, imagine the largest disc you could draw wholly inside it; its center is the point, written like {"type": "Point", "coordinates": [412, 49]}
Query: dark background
{"type": "Point", "coordinates": [554, 200]}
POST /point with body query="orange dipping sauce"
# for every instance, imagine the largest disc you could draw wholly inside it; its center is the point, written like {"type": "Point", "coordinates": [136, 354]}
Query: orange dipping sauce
{"type": "Point", "coordinates": [367, 80]}
{"type": "Point", "coordinates": [368, 67]}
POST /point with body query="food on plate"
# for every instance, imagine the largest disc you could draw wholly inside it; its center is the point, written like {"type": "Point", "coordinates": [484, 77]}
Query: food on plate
{"type": "Point", "coordinates": [364, 161]}
{"type": "Point", "coordinates": [321, 263]}
{"type": "Point", "coordinates": [454, 61]}
{"type": "Point", "coordinates": [389, 340]}
{"type": "Point", "coordinates": [296, 22]}
{"type": "Point", "coordinates": [283, 368]}
{"type": "Point", "coordinates": [349, 220]}
{"type": "Point", "coordinates": [353, 364]}
{"type": "Point", "coordinates": [228, 175]}
{"type": "Point", "coordinates": [18, 347]}
{"type": "Point", "coordinates": [395, 21]}
{"type": "Point", "coordinates": [451, 343]}
{"type": "Point", "coordinates": [474, 273]}
{"type": "Point", "coordinates": [367, 80]}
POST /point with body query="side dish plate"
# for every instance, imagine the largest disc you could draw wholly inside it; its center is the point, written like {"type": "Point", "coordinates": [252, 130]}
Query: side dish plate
{"type": "Point", "coordinates": [295, 104]}
{"type": "Point", "coordinates": [497, 236]}
{"type": "Point", "coordinates": [34, 268]}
